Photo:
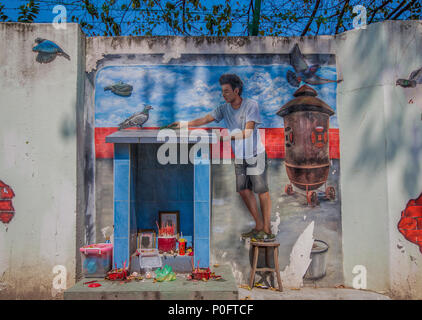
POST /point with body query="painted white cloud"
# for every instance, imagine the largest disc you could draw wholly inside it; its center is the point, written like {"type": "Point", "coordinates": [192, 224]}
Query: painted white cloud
{"type": "Point", "coordinates": [110, 75]}
{"type": "Point", "coordinates": [186, 92]}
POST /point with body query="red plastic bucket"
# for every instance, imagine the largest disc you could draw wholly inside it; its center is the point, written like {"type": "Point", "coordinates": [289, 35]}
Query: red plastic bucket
{"type": "Point", "coordinates": [166, 244]}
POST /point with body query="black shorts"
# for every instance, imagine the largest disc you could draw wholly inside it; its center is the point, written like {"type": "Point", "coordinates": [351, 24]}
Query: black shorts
{"type": "Point", "coordinates": [252, 174]}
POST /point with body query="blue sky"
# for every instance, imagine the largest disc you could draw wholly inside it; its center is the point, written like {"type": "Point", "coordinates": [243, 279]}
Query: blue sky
{"type": "Point", "coordinates": [182, 92]}
{"type": "Point", "coordinates": [326, 10]}
{"type": "Point", "coordinates": [46, 14]}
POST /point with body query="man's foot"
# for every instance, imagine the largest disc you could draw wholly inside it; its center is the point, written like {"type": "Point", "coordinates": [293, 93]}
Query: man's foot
{"type": "Point", "coordinates": [250, 234]}
{"type": "Point", "coordinates": [263, 236]}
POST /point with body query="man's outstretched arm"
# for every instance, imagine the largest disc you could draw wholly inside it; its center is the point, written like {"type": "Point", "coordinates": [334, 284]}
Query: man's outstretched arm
{"type": "Point", "coordinates": [244, 134]}
{"type": "Point", "coordinates": [194, 123]}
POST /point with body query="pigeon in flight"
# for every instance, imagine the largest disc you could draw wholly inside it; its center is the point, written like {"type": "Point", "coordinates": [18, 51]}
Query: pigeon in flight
{"type": "Point", "coordinates": [48, 50]}
{"type": "Point", "coordinates": [303, 72]}
{"type": "Point", "coordinates": [414, 79]}
{"type": "Point", "coordinates": [120, 88]}
{"type": "Point", "coordinates": [136, 120]}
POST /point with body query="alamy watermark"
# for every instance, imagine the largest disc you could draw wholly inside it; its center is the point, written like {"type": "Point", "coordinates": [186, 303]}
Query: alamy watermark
{"type": "Point", "coordinates": [247, 146]}
{"type": "Point", "coordinates": [60, 21]}
{"type": "Point", "coordinates": [59, 280]}
{"type": "Point", "coordinates": [359, 22]}
{"type": "Point", "coordinates": [359, 281]}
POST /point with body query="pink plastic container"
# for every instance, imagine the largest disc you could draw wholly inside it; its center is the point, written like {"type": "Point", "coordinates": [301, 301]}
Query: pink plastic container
{"type": "Point", "coordinates": [96, 259]}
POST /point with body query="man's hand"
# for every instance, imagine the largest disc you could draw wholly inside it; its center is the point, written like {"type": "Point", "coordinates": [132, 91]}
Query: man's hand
{"type": "Point", "coordinates": [178, 125]}
{"type": "Point", "coordinates": [193, 123]}
{"type": "Point", "coordinates": [174, 125]}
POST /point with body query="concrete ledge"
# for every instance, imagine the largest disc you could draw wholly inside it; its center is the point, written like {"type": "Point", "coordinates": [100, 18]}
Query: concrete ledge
{"type": "Point", "coordinates": [152, 136]}
{"type": "Point", "coordinates": [180, 289]}
{"type": "Point", "coordinates": [312, 294]}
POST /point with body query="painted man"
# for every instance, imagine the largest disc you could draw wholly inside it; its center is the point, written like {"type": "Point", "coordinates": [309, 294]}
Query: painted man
{"type": "Point", "coordinates": [242, 117]}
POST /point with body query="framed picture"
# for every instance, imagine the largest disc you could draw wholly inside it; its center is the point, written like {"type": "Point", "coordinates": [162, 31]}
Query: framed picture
{"type": "Point", "coordinates": [146, 239]}
{"type": "Point", "coordinates": [170, 218]}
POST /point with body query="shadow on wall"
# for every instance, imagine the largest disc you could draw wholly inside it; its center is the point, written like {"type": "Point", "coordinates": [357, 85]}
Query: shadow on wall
{"type": "Point", "coordinates": [374, 148]}
{"type": "Point", "coordinates": [68, 124]}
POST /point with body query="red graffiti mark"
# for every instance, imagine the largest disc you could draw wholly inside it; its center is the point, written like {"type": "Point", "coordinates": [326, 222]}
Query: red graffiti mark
{"type": "Point", "coordinates": [6, 207]}
{"type": "Point", "coordinates": [410, 224]}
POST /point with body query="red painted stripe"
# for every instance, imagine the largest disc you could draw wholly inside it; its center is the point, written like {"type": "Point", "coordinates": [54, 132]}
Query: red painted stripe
{"type": "Point", "coordinates": [274, 144]}
{"type": "Point", "coordinates": [103, 150]}
{"type": "Point", "coordinates": [334, 138]}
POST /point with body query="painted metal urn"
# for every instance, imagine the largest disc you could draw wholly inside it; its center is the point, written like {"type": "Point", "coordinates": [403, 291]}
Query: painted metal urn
{"type": "Point", "coordinates": [307, 162]}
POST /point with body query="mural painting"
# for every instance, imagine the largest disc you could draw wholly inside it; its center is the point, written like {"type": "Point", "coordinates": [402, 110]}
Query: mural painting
{"type": "Point", "coordinates": [307, 160]}
{"type": "Point", "coordinates": [303, 71]}
{"type": "Point", "coordinates": [120, 88]}
{"type": "Point", "coordinates": [410, 224]}
{"type": "Point", "coordinates": [414, 79]}
{"type": "Point", "coordinates": [299, 130]}
{"type": "Point", "coordinates": [138, 119]}
{"type": "Point", "coordinates": [7, 211]}
{"type": "Point", "coordinates": [410, 84]}
{"type": "Point", "coordinates": [48, 51]}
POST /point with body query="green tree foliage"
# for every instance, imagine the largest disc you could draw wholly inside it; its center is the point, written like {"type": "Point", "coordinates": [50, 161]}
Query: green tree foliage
{"type": "Point", "coordinates": [29, 11]}
{"type": "Point", "coordinates": [331, 17]}
{"type": "Point", "coordinates": [3, 16]}
{"type": "Point", "coordinates": [222, 18]}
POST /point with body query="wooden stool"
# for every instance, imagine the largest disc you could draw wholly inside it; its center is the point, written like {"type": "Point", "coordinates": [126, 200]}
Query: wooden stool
{"type": "Point", "coordinates": [266, 245]}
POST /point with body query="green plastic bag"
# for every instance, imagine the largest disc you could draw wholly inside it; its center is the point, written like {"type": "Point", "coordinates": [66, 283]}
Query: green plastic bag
{"type": "Point", "coordinates": [165, 274]}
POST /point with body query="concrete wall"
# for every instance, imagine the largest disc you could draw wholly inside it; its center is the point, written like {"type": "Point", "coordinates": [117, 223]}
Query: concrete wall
{"type": "Point", "coordinates": [381, 153]}
{"type": "Point", "coordinates": [380, 136]}
{"type": "Point", "coordinates": [40, 106]}
{"type": "Point", "coordinates": [230, 217]}
{"type": "Point", "coordinates": [403, 133]}
{"type": "Point", "coordinates": [46, 146]}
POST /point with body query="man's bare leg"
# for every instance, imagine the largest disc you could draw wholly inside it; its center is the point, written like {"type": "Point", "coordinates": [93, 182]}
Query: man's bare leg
{"type": "Point", "coordinates": [250, 201]}
{"type": "Point", "coordinates": [265, 202]}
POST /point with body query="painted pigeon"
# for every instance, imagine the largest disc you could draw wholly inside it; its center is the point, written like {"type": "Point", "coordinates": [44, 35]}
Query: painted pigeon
{"type": "Point", "coordinates": [136, 120]}
{"type": "Point", "coordinates": [303, 72]}
{"type": "Point", "coordinates": [414, 79]}
{"type": "Point", "coordinates": [48, 50]}
{"type": "Point", "coordinates": [120, 88]}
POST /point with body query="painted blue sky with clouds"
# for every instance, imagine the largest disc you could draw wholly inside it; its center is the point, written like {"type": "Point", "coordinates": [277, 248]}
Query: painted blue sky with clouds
{"type": "Point", "coordinates": [183, 92]}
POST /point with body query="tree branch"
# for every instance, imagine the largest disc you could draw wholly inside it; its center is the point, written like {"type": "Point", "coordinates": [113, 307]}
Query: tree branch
{"type": "Point", "coordinates": [403, 10]}
{"type": "Point", "coordinates": [157, 2]}
{"type": "Point", "coordinates": [249, 13]}
{"type": "Point", "coordinates": [310, 19]}
{"type": "Point", "coordinates": [378, 8]}
{"type": "Point", "coordinates": [127, 8]}
{"type": "Point", "coordinates": [183, 16]}
{"type": "Point", "coordinates": [395, 10]}
{"type": "Point", "coordinates": [340, 18]}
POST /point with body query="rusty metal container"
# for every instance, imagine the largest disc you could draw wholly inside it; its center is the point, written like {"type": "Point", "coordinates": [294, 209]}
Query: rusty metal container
{"type": "Point", "coordinates": [306, 124]}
